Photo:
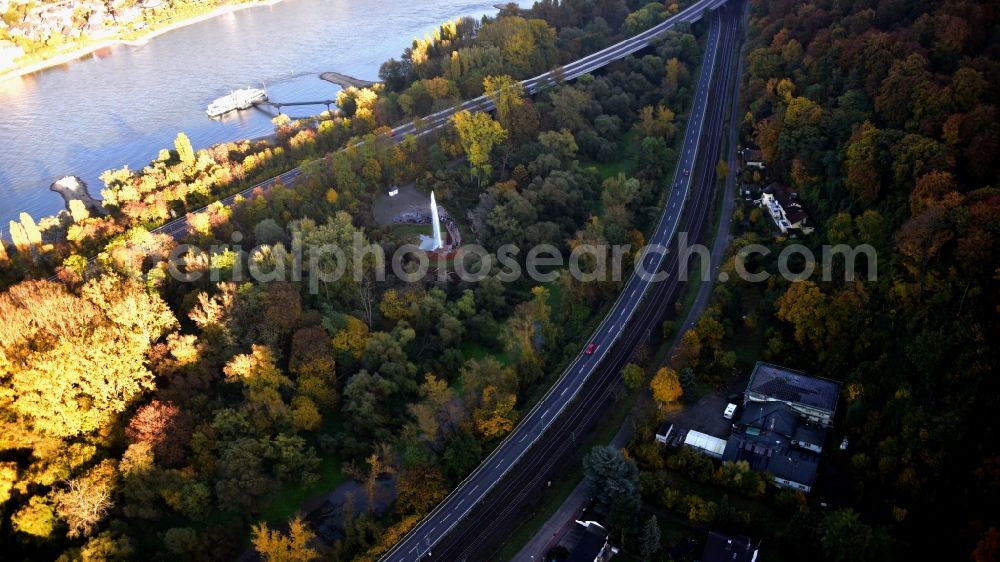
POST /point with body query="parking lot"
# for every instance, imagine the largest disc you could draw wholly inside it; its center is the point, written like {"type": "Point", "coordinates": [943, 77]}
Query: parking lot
{"type": "Point", "coordinates": [705, 415]}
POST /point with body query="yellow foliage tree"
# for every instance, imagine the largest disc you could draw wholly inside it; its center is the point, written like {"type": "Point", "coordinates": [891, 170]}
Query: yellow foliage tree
{"type": "Point", "coordinates": [76, 362]}
{"type": "Point", "coordinates": [8, 477]}
{"type": "Point", "coordinates": [496, 417]}
{"type": "Point", "coordinates": [35, 518]}
{"type": "Point", "coordinates": [397, 305]}
{"type": "Point", "coordinates": [478, 133]}
{"type": "Point", "coordinates": [353, 338]}
{"type": "Point", "coordinates": [666, 386]}
{"type": "Point", "coordinates": [275, 546]}
{"type": "Point", "coordinates": [507, 95]}
{"type": "Point", "coordinates": [332, 196]}
{"type": "Point", "coordinates": [305, 415]}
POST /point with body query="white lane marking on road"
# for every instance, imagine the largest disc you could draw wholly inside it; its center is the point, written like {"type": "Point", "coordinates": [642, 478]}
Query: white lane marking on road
{"type": "Point", "coordinates": [474, 488]}
{"type": "Point", "coordinates": [666, 27]}
{"type": "Point", "coordinates": [564, 391]}
{"type": "Point", "coordinates": [545, 413]}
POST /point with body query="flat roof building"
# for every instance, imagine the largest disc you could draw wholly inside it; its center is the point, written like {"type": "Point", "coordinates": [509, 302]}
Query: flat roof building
{"type": "Point", "coordinates": [812, 398]}
{"type": "Point", "coordinates": [705, 443]}
{"type": "Point", "coordinates": [784, 424]}
{"type": "Point", "coordinates": [790, 466]}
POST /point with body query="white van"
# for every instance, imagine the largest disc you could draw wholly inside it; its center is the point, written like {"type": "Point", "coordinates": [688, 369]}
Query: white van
{"type": "Point", "coordinates": [730, 411]}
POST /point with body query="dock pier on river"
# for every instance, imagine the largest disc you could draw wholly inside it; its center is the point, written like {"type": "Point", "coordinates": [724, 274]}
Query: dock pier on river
{"type": "Point", "coordinates": [342, 80]}
{"type": "Point", "coordinates": [345, 81]}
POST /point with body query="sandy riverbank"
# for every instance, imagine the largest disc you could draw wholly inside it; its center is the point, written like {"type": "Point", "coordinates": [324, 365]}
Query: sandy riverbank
{"type": "Point", "coordinates": [89, 49]}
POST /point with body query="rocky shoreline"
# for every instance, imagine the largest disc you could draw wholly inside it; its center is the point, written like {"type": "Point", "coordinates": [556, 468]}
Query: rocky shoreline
{"type": "Point", "coordinates": [73, 188]}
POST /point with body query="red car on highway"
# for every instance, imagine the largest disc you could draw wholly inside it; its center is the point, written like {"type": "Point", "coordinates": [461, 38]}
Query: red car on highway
{"type": "Point", "coordinates": [591, 347]}
{"type": "Point", "coordinates": [686, 172]}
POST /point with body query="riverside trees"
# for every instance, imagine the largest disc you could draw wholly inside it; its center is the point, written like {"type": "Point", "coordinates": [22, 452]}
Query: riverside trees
{"type": "Point", "coordinates": [216, 395]}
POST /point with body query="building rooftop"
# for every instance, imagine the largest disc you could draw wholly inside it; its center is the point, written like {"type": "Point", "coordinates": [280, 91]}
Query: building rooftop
{"type": "Point", "coordinates": [809, 434]}
{"type": "Point", "coordinates": [753, 155]}
{"type": "Point", "coordinates": [792, 386]}
{"type": "Point", "coordinates": [591, 544]}
{"type": "Point", "coordinates": [789, 201]}
{"type": "Point", "coordinates": [775, 454]}
{"type": "Point", "coordinates": [588, 549]}
{"type": "Point", "coordinates": [777, 418]}
{"type": "Point", "coordinates": [705, 442]}
{"type": "Point", "coordinates": [769, 416]}
{"type": "Point", "coordinates": [724, 548]}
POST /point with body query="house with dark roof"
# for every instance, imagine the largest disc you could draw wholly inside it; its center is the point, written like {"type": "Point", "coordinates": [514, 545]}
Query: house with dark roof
{"type": "Point", "coordinates": [788, 466]}
{"type": "Point", "coordinates": [753, 158]}
{"type": "Point", "coordinates": [721, 547]}
{"type": "Point", "coordinates": [812, 398]}
{"type": "Point", "coordinates": [783, 206]}
{"type": "Point", "coordinates": [770, 437]}
{"type": "Point", "coordinates": [784, 424]}
{"type": "Point", "coordinates": [592, 544]}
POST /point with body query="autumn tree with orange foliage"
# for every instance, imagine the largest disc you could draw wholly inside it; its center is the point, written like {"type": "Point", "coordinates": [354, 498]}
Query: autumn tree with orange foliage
{"type": "Point", "coordinates": [666, 387]}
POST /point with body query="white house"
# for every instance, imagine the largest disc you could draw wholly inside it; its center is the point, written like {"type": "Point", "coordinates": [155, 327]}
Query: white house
{"type": "Point", "coordinates": [785, 210]}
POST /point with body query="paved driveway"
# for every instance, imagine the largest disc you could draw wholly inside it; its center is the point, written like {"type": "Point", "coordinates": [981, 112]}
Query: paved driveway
{"type": "Point", "coordinates": [386, 208]}
{"type": "Point", "coordinates": [705, 415]}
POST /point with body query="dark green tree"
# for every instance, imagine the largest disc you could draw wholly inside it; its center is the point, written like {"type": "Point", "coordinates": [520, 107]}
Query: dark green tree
{"type": "Point", "coordinates": [613, 482]}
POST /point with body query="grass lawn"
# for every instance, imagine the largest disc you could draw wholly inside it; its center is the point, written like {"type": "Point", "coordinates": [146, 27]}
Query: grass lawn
{"type": "Point", "coordinates": [611, 169]}
{"type": "Point", "coordinates": [671, 532]}
{"type": "Point", "coordinates": [628, 148]}
{"type": "Point", "coordinates": [625, 164]}
{"type": "Point", "coordinates": [747, 342]}
{"type": "Point", "coordinates": [290, 499]}
{"type": "Point", "coordinates": [473, 350]}
{"type": "Point", "coordinates": [411, 232]}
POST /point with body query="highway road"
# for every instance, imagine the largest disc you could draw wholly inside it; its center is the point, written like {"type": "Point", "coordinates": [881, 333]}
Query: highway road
{"type": "Point", "coordinates": [491, 522]}
{"type": "Point", "coordinates": [421, 542]}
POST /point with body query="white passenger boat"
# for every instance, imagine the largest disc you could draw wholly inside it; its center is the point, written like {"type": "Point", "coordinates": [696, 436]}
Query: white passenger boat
{"type": "Point", "coordinates": [238, 99]}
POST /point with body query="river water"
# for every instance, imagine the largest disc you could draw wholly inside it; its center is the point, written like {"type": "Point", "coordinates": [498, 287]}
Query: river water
{"type": "Point", "coordinates": [123, 105]}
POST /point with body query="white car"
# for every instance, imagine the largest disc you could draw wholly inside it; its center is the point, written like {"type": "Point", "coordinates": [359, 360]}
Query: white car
{"type": "Point", "coordinates": [730, 411]}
